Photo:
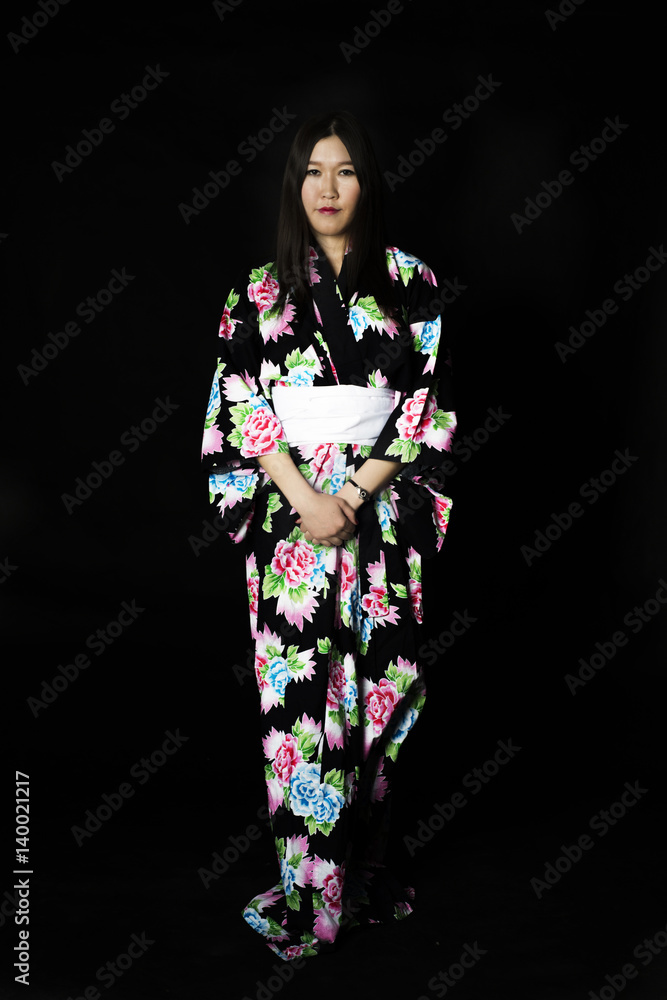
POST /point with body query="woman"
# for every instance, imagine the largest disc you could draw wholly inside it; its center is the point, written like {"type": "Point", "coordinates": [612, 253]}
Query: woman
{"type": "Point", "coordinates": [324, 430]}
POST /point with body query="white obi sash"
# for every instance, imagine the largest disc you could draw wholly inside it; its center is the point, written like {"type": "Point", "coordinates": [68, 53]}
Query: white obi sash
{"type": "Point", "coordinates": [349, 414]}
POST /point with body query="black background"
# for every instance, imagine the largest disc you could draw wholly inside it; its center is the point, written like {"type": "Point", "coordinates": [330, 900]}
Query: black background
{"type": "Point", "coordinates": [182, 664]}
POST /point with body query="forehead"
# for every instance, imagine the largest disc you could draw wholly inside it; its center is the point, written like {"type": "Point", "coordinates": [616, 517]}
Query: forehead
{"type": "Point", "coordinates": [330, 150]}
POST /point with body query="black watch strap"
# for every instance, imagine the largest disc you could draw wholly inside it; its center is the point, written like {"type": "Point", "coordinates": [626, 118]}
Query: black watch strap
{"type": "Point", "coordinates": [363, 494]}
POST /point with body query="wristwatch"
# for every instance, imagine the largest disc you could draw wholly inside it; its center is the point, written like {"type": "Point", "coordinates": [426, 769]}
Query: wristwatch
{"type": "Point", "coordinates": [363, 494]}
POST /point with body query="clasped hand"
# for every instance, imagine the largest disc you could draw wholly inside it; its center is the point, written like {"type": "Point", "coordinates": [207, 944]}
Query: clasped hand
{"type": "Point", "coordinates": [327, 519]}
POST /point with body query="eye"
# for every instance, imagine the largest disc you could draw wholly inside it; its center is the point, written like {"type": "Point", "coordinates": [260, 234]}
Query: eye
{"type": "Point", "coordinates": [312, 171]}
{"type": "Point", "coordinates": [347, 171]}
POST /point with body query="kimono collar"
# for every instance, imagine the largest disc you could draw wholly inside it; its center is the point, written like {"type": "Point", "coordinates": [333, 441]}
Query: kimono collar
{"type": "Point", "coordinates": [320, 268]}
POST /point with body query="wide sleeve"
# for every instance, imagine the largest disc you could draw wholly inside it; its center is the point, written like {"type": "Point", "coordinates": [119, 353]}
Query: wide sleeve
{"type": "Point", "coordinates": [420, 429]}
{"type": "Point", "coordinates": [421, 426]}
{"type": "Point", "coordinates": [240, 424]}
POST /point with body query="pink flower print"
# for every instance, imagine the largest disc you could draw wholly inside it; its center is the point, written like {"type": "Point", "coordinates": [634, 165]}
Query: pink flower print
{"type": "Point", "coordinates": [417, 417]}
{"type": "Point", "coordinates": [415, 591]}
{"type": "Point", "coordinates": [287, 758]}
{"type": "Point", "coordinates": [441, 508]}
{"type": "Point", "coordinates": [212, 440]}
{"type": "Point", "coordinates": [264, 293]}
{"type": "Point", "coordinates": [261, 430]}
{"type": "Point", "coordinates": [294, 561]}
{"type": "Point", "coordinates": [323, 459]}
{"type": "Point", "coordinates": [227, 324]}
{"type": "Point", "coordinates": [261, 660]}
{"type": "Point", "coordinates": [273, 328]}
{"type": "Point", "coordinates": [381, 701]}
{"type": "Point", "coordinates": [347, 574]}
{"type": "Point", "coordinates": [332, 890]}
{"type": "Point", "coordinates": [336, 688]}
{"type": "Point", "coordinates": [375, 602]}
{"type": "Point", "coordinates": [253, 593]}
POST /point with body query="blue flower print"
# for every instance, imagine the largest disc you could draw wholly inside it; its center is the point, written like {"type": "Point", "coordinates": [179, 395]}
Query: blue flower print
{"type": "Point", "coordinates": [319, 570]}
{"type": "Point", "coordinates": [404, 726]}
{"type": "Point", "coordinates": [366, 629]}
{"type": "Point", "coordinates": [405, 259]}
{"type": "Point", "coordinates": [351, 695]}
{"type": "Point", "coordinates": [384, 514]}
{"type": "Point", "coordinates": [304, 789]}
{"type": "Point", "coordinates": [214, 400]}
{"type": "Point", "coordinates": [337, 480]}
{"type": "Point", "coordinates": [328, 806]}
{"type": "Point", "coordinates": [252, 917]}
{"type": "Point", "coordinates": [356, 612]}
{"type": "Point", "coordinates": [429, 336]}
{"type": "Point", "coordinates": [300, 376]}
{"type": "Point", "coordinates": [257, 401]}
{"type": "Point", "coordinates": [287, 875]}
{"type": "Point", "coordinates": [221, 482]}
{"type": "Point", "coordinates": [358, 320]}
{"type": "Point", "coordinates": [278, 675]}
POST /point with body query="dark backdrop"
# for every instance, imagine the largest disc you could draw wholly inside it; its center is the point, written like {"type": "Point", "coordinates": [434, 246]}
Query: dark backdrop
{"type": "Point", "coordinates": [530, 258]}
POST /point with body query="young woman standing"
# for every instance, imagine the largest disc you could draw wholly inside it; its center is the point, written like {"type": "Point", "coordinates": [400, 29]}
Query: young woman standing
{"type": "Point", "coordinates": [326, 425]}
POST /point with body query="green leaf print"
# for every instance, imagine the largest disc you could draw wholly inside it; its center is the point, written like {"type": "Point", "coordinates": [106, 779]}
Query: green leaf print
{"type": "Point", "coordinates": [371, 308]}
{"type": "Point", "coordinates": [272, 585]}
{"type": "Point", "coordinates": [337, 779]}
{"type": "Point", "coordinates": [257, 273]}
{"type": "Point", "coordinates": [280, 846]}
{"type": "Point", "coordinates": [324, 645]}
{"type": "Point", "coordinates": [307, 745]}
{"type": "Point", "coordinates": [239, 412]}
{"type": "Point", "coordinates": [441, 419]}
{"type": "Point", "coordinates": [338, 716]}
{"type": "Point", "coordinates": [232, 300]}
{"type": "Point", "coordinates": [274, 504]}
{"type": "Point", "coordinates": [406, 450]}
{"type": "Point", "coordinates": [400, 590]}
{"type": "Point", "coordinates": [297, 360]}
{"type": "Point", "coordinates": [403, 683]}
{"type": "Point", "coordinates": [293, 900]}
{"type": "Point", "coordinates": [406, 273]}
{"type": "Point", "coordinates": [315, 827]}
{"type": "Point", "coordinates": [235, 438]}
{"type": "Point", "coordinates": [392, 672]}
{"type": "Point", "coordinates": [275, 930]}
{"type": "Point", "coordinates": [295, 860]}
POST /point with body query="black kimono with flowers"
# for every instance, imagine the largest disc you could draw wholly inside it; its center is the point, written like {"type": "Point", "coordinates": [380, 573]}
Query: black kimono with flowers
{"type": "Point", "coordinates": [335, 628]}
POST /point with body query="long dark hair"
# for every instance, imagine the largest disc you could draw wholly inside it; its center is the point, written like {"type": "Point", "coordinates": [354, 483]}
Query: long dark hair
{"type": "Point", "coordinates": [366, 263]}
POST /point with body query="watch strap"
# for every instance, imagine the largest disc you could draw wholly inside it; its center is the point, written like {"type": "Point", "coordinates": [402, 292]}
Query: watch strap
{"type": "Point", "coordinates": [363, 494]}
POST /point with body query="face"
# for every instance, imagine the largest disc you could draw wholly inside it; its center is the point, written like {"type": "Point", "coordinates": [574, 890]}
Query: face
{"type": "Point", "coordinates": [330, 190]}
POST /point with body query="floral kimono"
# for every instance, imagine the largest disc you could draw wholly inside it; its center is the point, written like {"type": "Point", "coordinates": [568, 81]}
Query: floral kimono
{"type": "Point", "coordinates": [336, 629]}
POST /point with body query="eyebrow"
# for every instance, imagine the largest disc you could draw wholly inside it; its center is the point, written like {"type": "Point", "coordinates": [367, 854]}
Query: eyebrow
{"type": "Point", "coordinates": [318, 163]}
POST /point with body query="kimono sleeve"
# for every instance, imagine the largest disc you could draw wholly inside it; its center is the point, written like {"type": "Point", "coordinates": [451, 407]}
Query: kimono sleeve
{"type": "Point", "coordinates": [240, 425]}
{"type": "Point", "coordinates": [421, 427]}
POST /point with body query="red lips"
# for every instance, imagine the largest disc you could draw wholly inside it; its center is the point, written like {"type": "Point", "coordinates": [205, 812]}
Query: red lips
{"type": "Point", "coordinates": [328, 211]}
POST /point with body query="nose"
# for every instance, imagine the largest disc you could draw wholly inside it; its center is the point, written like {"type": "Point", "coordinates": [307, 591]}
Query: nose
{"type": "Point", "coordinates": [329, 188]}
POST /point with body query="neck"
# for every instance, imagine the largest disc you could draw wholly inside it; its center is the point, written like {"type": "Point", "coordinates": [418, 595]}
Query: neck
{"type": "Point", "coordinates": [334, 250]}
